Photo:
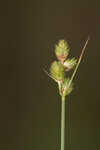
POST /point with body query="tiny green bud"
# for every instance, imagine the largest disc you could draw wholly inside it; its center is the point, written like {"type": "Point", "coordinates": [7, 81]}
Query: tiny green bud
{"type": "Point", "coordinates": [62, 50]}
{"type": "Point", "coordinates": [57, 71]}
{"type": "Point", "coordinates": [66, 89]}
{"type": "Point", "coordinates": [70, 63]}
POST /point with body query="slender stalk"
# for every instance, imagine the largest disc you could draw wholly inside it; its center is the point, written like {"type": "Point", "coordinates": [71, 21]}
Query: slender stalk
{"type": "Point", "coordinates": [63, 123]}
{"type": "Point", "coordinates": [80, 58]}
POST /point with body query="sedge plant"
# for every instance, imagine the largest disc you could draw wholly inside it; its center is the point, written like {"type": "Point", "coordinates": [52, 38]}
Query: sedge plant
{"type": "Point", "coordinates": [59, 73]}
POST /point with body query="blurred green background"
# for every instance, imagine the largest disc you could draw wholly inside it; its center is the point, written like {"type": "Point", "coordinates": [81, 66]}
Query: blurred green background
{"type": "Point", "coordinates": [29, 99]}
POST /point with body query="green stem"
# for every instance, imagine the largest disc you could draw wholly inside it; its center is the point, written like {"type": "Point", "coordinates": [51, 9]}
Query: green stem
{"type": "Point", "coordinates": [63, 123]}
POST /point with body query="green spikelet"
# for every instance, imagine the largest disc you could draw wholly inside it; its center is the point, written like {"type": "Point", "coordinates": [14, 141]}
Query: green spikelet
{"type": "Point", "coordinates": [66, 88]}
{"type": "Point", "coordinates": [62, 50]}
{"type": "Point", "coordinates": [57, 71]}
{"type": "Point", "coordinates": [70, 63]}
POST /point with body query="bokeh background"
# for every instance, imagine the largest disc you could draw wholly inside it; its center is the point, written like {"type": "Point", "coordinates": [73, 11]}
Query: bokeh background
{"type": "Point", "coordinates": [29, 99]}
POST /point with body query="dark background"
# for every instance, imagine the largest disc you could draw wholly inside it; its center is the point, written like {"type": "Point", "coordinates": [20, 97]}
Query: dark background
{"type": "Point", "coordinates": [29, 100]}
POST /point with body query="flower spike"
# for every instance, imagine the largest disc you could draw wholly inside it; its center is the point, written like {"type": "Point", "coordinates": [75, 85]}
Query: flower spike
{"type": "Point", "coordinates": [58, 72]}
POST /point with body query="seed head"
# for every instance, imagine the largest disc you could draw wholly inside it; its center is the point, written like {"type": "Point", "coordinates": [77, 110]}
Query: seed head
{"type": "Point", "coordinates": [57, 71]}
{"type": "Point", "coordinates": [66, 88]}
{"type": "Point", "coordinates": [70, 63]}
{"type": "Point", "coordinates": [62, 50]}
